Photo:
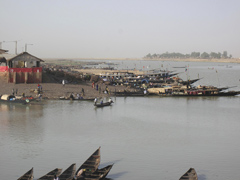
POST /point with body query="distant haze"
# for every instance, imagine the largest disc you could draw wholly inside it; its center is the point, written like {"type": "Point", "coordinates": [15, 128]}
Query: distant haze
{"type": "Point", "coordinates": [119, 28]}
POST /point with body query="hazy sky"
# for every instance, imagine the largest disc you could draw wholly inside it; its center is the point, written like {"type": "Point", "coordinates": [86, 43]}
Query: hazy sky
{"type": "Point", "coordinates": [119, 28]}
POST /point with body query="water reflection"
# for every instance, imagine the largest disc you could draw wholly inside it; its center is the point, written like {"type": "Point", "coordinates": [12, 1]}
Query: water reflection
{"type": "Point", "coordinates": [20, 128]}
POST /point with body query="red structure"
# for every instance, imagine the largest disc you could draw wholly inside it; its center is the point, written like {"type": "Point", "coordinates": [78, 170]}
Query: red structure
{"type": "Point", "coordinates": [23, 68]}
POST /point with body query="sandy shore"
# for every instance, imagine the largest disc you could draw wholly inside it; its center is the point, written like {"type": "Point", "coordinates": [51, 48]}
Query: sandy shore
{"type": "Point", "coordinates": [54, 90]}
{"type": "Point", "coordinates": [232, 60]}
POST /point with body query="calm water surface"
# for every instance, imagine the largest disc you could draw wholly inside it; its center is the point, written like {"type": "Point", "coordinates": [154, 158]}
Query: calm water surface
{"type": "Point", "coordinates": [145, 137]}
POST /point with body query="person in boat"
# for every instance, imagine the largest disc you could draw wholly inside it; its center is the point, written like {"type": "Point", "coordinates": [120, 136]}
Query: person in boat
{"type": "Point", "coordinates": [78, 96]}
{"type": "Point", "coordinates": [95, 101]}
{"type": "Point", "coordinates": [110, 100]}
{"type": "Point", "coordinates": [56, 178]}
{"type": "Point", "coordinates": [71, 96]}
{"type": "Point", "coordinates": [101, 102]}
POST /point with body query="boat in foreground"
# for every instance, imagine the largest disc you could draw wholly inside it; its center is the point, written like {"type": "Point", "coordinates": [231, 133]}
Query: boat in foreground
{"type": "Point", "coordinates": [27, 176]}
{"type": "Point", "coordinates": [99, 174]}
{"type": "Point", "coordinates": [51, 174]}
{"type": "Point", "coordinates": [90, 165]}
{"type": "Point", "coordinates": [189, 175]}
{"type": "Point", "coordinates": [68, 174]}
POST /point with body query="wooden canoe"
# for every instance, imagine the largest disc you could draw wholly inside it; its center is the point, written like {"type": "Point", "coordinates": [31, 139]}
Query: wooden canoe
{"type": "Point", "coordinates": [90, 165]}
{"type": "Point", "coordinates": [27, 176]}
{"type": "Point", "coordinates": [69, 173]}
{"type": "Point", "coordinates": [99, 174]}
{"type": "Point", "coordinates": [50, 175]}
{"type": "Point", "coordinates": [103, 104]}
{"type": "Point", "coordinates": [189, 175]}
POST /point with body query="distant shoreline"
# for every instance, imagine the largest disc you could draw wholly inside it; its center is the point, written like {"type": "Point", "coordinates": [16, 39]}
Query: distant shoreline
{"type": "Point", "coordinates": [232, 60]}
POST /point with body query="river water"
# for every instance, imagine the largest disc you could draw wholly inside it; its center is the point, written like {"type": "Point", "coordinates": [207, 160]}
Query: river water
{"type": "Point", "coordinates": [145, 137]}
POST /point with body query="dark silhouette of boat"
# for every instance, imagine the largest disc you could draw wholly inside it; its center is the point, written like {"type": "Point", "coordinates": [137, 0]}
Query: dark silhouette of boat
{"type": "Point", "coordinates": [189, 175]}
{"type": "Point", "coordinates": [51, 174]}
{"type": "Point", "coordinates": [102, 104]}
{"type": "Point", "coordinates": [90, 165]}
{"type": "Point", "coordinates": [27, 176]}
{"type": "Point", "coordinates": [69, 173]}
{"type": "Point", "coordinates": [99, 174]}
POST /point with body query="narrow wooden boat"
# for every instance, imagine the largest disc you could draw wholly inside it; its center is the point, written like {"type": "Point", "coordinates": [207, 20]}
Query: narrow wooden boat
{"type": "Point", "coordinates": [27, 176]}
{"type": "Point", "coordinates": [103, 104]}
{"type": "Point", "coordinates": [6, 98]}
{"type": "Point", "coordinates": [50, 175]}
{"type": "Point", "coordinates": [76, 99]}
{"type": "Point", "coordinates": [129, 93]}
{"type": "Point", "coordinates": [189, 175]}
{"type": "Point", "coordinates": [69, 173]}
{"type": "Point", "coordinates": [90, 165]}
{"type": "Point", "coordinates": [206, 93]}
{"type": "Point", "coordinates": [99, 174]}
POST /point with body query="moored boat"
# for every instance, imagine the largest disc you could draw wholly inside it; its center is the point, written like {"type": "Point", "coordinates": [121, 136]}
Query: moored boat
{"type": "Point", "coordinates": [50, 175]}
{"type": "Point", "coordinates": [90, 165]}
{"type": "Point", "coordinates": [68, 174]}
{"type": "Point", "coordinates": [99, 174]}
{"type": "Point", "coordinates": [14, 99]}
{"type": "Point", "coordinates": [189, 175]}
{"type": "Point", "coordinates": [27, 176]}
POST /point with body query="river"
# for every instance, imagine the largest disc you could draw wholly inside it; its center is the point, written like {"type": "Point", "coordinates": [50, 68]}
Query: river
{"type": "Point", "coordinates": [145, 137]}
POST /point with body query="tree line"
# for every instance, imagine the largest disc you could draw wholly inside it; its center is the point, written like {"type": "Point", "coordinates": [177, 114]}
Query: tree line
{"type": "Point", "coordinates": [195, 55]}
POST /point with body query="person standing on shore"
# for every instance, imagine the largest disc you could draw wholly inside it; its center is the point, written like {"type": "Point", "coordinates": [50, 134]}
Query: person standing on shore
{"type": "Point", "coordinates": [63, 82]}
{"type": "Point", "coordinates": [82, 92]}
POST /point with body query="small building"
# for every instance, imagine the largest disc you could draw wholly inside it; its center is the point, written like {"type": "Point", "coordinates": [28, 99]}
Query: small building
{"type": "Point", "coordinates": [23, 68]}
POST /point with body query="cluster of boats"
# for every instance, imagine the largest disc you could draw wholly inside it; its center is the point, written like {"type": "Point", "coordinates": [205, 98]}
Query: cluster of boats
{"type": "Point", "coordinates": [87, 171]}
{"type": "Point", "coordinates": [166, 84]}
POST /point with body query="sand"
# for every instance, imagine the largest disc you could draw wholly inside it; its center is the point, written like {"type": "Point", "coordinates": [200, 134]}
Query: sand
{"type": "Point", "coordinates": [55, 90]}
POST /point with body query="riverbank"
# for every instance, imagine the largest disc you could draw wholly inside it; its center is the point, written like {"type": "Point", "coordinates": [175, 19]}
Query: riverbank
{"type": "Point", "coordinates": [56, 90]}
{"type": "Point", "coordinates": [232, 60]}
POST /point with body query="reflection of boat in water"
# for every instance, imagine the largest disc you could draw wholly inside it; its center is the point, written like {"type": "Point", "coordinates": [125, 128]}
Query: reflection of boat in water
{"type": "Point", "coordinates": [189, 175]}
{"type": "Point", "coordinates": [51, 174]}
{"type": "Point", "coordinates": [27, 176]}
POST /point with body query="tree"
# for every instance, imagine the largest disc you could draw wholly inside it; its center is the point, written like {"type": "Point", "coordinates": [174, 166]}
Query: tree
{"type": "Point", "coordinates": [204, 55]}
{"type": "Point", "coordinates": [149, 56]}
{"type": "Point", "coordinates": [195, 54]}
{"type": "Point", "coordinates": [224, 55]}
{"type": "Point", "coordinates": [214, 55]}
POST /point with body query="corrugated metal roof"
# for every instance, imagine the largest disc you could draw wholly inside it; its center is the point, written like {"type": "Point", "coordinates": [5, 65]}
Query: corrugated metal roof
{"type": "Point", "coordinates": [25, 57]}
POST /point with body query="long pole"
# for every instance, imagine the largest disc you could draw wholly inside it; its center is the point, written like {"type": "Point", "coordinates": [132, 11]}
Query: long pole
{"type": "Point", "coordinates": [16, 48]}
{"type": "Point", "coordinates": [26, 47]}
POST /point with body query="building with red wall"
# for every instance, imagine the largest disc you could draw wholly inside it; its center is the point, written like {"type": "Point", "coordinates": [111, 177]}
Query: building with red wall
{"type": "Point", "coordinates": [23, 68]}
